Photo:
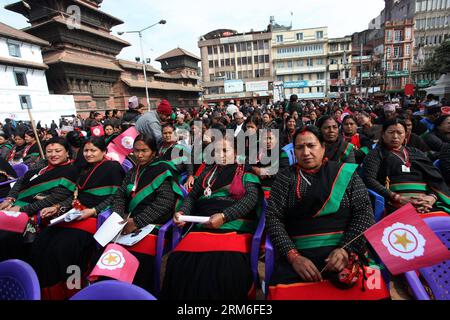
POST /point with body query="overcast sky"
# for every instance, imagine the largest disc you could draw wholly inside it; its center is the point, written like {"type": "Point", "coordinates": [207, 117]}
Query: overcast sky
{"type": "Point", "coordinates": [188, 20]}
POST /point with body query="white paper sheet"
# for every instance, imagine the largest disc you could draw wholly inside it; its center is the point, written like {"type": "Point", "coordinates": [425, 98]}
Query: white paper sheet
{"type": "Point", "coordinates": [109, 229]}
{"type": "Point", "coordinates": [194, 219]}
{"type": "Point", "coordinates": [69, 216]}
{"type": "Point", "coordinates": [133, 238]}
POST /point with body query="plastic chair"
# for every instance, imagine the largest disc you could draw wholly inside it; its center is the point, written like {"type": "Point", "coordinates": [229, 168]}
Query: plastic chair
{"type": "Point", "coordinates": [161, 249]}
{"type": "Point", "coordinates": [18, 281]}
{"type": "Point", "coordinates": [378, 205]}
{"type": "Point", "coordinates": [437, 164]}
{"type": "Point", "coordinates": [113, 290]}
{"type": "Point", "coordinates": [437, 277]}
{"type": "Point", "coordinates": [127, 165]}
{"type": "Point", "coordinates": [289, 149]}
{"type": "Point", "coordinates": [20, 169]}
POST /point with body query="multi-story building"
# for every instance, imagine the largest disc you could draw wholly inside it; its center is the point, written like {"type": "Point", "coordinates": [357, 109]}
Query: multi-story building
{"type": "Point", "coordinates": [23, 84]}
{"type": "Point", "coordinates": [398, 54]}
{"type": "Point", "coordinates": [339, 67]}
{"type": "Point", "coordinates": [300, 61]}
{"type": "Point", "coordinates": [432, 28]}
{"type": "Point", "coordinates": [236, 66]}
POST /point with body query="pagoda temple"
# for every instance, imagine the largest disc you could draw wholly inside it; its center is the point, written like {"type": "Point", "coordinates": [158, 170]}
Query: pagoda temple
{"type": "Point", "coordinates": [82, 55]}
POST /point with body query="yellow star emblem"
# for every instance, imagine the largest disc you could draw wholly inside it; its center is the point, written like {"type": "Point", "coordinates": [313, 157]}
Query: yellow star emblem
{"type": "Point", "coordinates": [403, 240]}
{"type": "Point", "coordinates": [110, 259]}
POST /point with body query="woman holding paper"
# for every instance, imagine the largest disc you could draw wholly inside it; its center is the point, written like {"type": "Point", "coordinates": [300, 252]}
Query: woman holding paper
{"type": "Point", "coordinates": [58, 247]}
{"type": "Point", "coordinates": [402, 174]}
{"type": "Point", "coordinates": [50, 183]}
{"type": "Point", "coordinates": [213, 260]}
{"type": "Point", "coordinates": [147, 196]}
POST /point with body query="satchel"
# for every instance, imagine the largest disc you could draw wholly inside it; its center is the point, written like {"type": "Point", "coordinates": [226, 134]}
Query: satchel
{"type": "Point", "coordinates": [237, 190]}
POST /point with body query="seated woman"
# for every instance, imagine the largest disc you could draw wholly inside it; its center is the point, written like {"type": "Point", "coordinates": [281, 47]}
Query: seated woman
{"type": "Point", "coordinates": [31, 153]}
{"type": "Point", "coordinates": [52, 182]}
{"type": "Point", "coordinates": [268, 165]}
{"type": "Point", "coordinates": [5, 146]}
{"type": "Point", "coordinates": [440, 135]}
{"type": "Point", "coordinates": [337, 149]}
{"type": "Point", "coordinates": [110, 135]}
{"type": "Point", "coordinates": [6, 173]}
{"type": "Point", "coordinates": [17, 152]}
{"type": "Point", "coordinates": [213, 260]}
{"type": "Point", "coordinates": [147, 196]}
{"type": "Point", "coordinates": [176, 154]}
{"type": "Point", "coordinates": [404, 175]}
{"type": "Point", "coordinates": [316, 211]}
{"type": "Point", "coordinates": [362, 144]}
{"type": "Point", "coordinates": [57, 248]}
{"type": "Point", "coordinates": [286, 135]}
{"type": "Point", "coordinates": [412, 139]}
{"type": "Point", "coordinates": [368, 128]}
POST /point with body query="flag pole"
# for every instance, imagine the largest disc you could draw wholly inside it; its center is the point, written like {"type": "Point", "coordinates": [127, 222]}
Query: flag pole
{"type": "Point", "coordinates": [36, 134]}
{"type": "Point", "coordinates": [362, 234]}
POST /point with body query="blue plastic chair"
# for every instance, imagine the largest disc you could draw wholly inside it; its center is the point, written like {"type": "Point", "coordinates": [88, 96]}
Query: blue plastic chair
{"type": "Point", "coordinates": [378, 205]}
{"type": "Point", "coordinates": [289, 149]}
{"type": "Point", "coordinates": [437, 164]}
{"type": "Point", "coordinates": [113, 290]}
{"type": "Point", "coordinates": [18, 281]}
{"type": "Point", "coordinates": [127, 165]}
{"type": "Point", "coordinates": [20, 169]}
{"type": "Point", "coordinates": [437, 277]}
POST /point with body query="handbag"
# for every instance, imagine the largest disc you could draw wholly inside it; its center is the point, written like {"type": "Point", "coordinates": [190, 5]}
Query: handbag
{"type": "Point", "coordinates": [237, 190]}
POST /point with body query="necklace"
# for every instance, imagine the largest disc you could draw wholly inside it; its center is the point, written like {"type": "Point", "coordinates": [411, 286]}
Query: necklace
{"type": "Point", "coordinates": [208, 191]}
{"type": "Point", "coordinates": [404, 160]}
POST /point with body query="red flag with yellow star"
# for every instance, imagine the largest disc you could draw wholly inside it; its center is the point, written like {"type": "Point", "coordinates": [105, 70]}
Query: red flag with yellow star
{"type": "Point", "coordinates": [404, 242]}
{"type": "Point", "coordinates": [117, 263]}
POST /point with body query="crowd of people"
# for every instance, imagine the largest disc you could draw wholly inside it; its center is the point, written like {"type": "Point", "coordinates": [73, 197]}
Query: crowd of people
{"type": "Point", "coordinates": [317, 199]}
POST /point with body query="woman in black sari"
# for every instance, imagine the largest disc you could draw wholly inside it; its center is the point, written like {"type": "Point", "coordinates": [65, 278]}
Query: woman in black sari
{"type": "Point", "coordinates": [17, 152]}
{"type": "Point", "coordinates": [362, 145]}
{"type": "Point", "coordinates": [177, 155]}
{"type": "Point", "coordinates": [213, 261]}
{"type": "Point", "coordinates": [404, 175]}
{"type": "Point", "coordinates": [110, 135]}
{"type": "Point", "coordinates": [337, 149]}
{"type": "Point", "coordinates": [52, 182]}
{"type": "Point", "coordinates": [147, 196]}
{"type": "Point", "coordinates": [31, 153]}
{"type": "Point", "coordinates": [58, 247]}
{"type": "Point", "coordinates": [316, 211]}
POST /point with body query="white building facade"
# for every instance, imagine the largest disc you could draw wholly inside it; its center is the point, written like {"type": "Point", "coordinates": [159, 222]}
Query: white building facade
{"type": "Point", "coordinates": [23, 83]}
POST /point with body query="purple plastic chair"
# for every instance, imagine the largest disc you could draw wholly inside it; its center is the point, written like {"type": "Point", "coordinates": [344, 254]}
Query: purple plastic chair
{"type": "Point", "coordinates": [18, 281]}
{"type": "Point", "coordinates": [20, 169]}
{"type": "Point", "coordinates": [113, 290]}
{"type": "Point", "coordinates": [127, 165]}
{"type": "Point", "coordinates": [437, 277]}
{"type": "Point", "coordinates": [256, 241]}
{"type": "Point", "coordinates": [161, 249]}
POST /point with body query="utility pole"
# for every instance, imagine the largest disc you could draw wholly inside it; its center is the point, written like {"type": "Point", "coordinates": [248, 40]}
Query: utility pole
{"type": "Point", "coordinates": [344, 78]}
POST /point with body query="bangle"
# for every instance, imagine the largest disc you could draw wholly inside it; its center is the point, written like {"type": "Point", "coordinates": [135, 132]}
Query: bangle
{"type": "Point", "coordinates": [292, 256]}
{"type": "Point", "coordinates": [434, 196]}
{"type": "Point", "coordinates": [223, 217]}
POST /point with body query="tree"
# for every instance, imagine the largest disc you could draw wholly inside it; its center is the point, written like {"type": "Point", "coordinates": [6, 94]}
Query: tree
{"type": "Point", "coordinates": [440, 61]}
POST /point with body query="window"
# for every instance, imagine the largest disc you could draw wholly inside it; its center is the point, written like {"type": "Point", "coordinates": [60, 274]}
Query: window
{"type": "Point", "coordinates": [231, 47]}
{"type": "Point", "coordinates": [279, 38]}
{"type": "Point", "coordinates": [14, 49]}
{"type": "Point", "coordinates": [280, 65]}
{"type": "Point", "coordinates": [388, 52]}
{"type": "Point", "coordinates": [21, 79]}
{"type": "Point", "coordinates": [280, 78]}
{"type": "Point", "coordinates": [249, 46]}
{"type": "Point", "coordinates": [408, 50]}
{"type": "Point", "coordinates": [319, 34]}
{"type": "Point", "coordinates": [249, 60]}
{"type": "Point", "coordinates": [266, 44]}
{"type": "Point", "coordinates": [238, 47]}
{"type": "Point", "coordinates": [210, 50]}
{"type": "Point", "coordinates": [255, 58]}
{"type": "Point", "coordinates": [397, 66]}
{"type": "Point", "coordinates": [320, 76]}
{"type": "Point", "coordinates": [25, 102]}
{"type": "Point", "coordinates": [267, 58]}
{"type": "Point", "coordinates": [310, 62]}
{"type": "Point", "coordinates": [211, 63]}
{"type": "Point", "coordinates": [227, 62]}
{"type": "Point", "coordinates": [320, 61]}
{"type": "Point", "coordinates": [319, 89]}
{"type": "Point", "coordinates": [397, 52]}
{"type": "Point", "coordinates": [244, 60]}
{"type": "Point", "coordinates": [398, 35]}
{"type": "Point", "coordinates": [255, 45]}
{"type": "Point", "coordinates": [407, 63]}
{"type": "Point", "coordinates": [215, 50]}
{"type": "Point", "coordinates": [216, 63]}
{"type": "Point", "coordinates": [261, 45]}
{"type": "Point", "coordinates": [300, 36]}
{"type": "Point", "coordinates": [227, 48]}
{"type": "Point", "coordinates": [389, 35]}
{"type": "Point", "coordinates": [289, 64]}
